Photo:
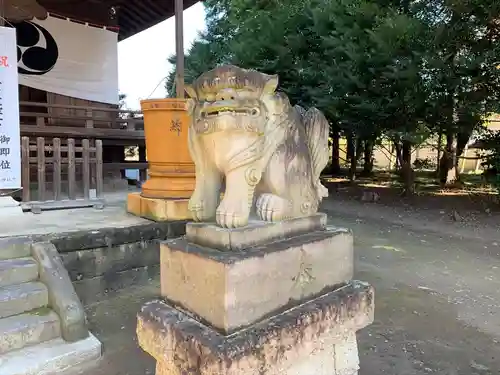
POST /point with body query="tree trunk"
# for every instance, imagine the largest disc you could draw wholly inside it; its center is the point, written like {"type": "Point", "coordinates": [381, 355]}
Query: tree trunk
{"type": "Point", "coordinates": [448, 163]}
{"type": "Point", "coordinates": [406, 169]}
{"type": "Point", "coordinates": [368, 158]}
{"type": "Point", "coordinates": [399, 155]}
{"type": "Point", "coordinates": [439, 142]}
{"type": "Point", "coordinates": [359, 149]}
{"type": "Point", "coordinates": [335, 169]}
{"type": "Point", "coordinates": [462, 140]}
{"type": "Point", "coordinates": [352, 169]}
{"type": "Point", "coordinates": [351, 156]}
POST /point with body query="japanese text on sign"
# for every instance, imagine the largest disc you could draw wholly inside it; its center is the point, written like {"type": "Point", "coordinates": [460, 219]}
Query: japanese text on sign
{"type": "Point", "coordinates": [10, 153]}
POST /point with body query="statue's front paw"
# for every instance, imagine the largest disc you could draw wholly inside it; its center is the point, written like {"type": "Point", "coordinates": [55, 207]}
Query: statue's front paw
{"type": "Point", "coordinates": [272, 208]}
{"type": "Point", "coordinates": [232, 212]}
{"type": "Point", "coordinates": [199, 210]}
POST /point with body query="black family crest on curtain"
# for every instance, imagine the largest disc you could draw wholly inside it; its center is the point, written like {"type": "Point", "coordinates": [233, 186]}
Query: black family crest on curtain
{"type": "Point", "coordinates": [37, 50]}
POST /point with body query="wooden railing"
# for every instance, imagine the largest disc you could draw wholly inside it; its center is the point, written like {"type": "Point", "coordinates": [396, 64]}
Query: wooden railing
{"type": "Point", "coordinates": [62, 163]}
{"type": "Point", "coordinates": [59, 120]}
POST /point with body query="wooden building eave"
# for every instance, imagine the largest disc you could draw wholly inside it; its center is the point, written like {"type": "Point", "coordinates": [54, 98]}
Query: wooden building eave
{"type": "Point", "coordinates": [130, 16]}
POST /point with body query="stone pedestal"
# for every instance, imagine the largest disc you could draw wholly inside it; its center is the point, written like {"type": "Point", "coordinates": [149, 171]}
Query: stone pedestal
{"type": "Point", "coordinates": [158, 209]}
{"type": "Point", "coordinates": [270, 298]}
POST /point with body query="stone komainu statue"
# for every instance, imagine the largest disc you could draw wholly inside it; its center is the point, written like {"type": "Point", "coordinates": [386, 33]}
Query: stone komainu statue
{"type": "Point", "coordinates": [270, 153]}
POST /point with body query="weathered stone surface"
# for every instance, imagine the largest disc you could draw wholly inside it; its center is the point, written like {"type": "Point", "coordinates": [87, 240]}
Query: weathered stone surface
{"type": "Point", "coordinates": [256, 233]}
{"type": "Point", "coordinates": [14, 247]}
{"type": "Point", "coordinates": [326, 356]}
{"type": "Point", "coordinates": [102, 272]}
{"type": "Point", "coordinates": [17, 299]}
{"type": "Point", "coordinates": [269, 153]}
{"type": "Point", "coordinates": [52, 357]}
{"type": "Point", "coordinates": [17, 271]}
{"type": "Point", "coordinates": [108, 237]}
{"type": "Point", "coordinates": [99, 288]}
{"type": "Point", "coordinates": [316, 337]}
{"type": "Point", "coordinates": [31, 328]}
{"type": "Point", "coordinates": [158, 209]}
{"type": "Point", "coordinates": [108, 261]}
{"type": "Point", "coordinates": [346, 356]}
{"type": "Point", "coordinates": [101, 261]}
{"type": "Point", "coordinates": [62, 296]}
{"type": "Point", "coordinates": [231, 290]}
{"type": "Point", "coordinates": [20, 246]}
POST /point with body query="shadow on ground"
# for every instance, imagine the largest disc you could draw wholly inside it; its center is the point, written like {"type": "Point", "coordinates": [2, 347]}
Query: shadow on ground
{"type": "Point", "coordinates": [113, 322]}
{"type": "Point", "coordinates": [418, 332]}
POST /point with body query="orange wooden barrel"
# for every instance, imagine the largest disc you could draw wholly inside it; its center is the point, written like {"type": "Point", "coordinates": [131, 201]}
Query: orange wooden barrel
{"type": "Point", "coordinates": [171, 170]}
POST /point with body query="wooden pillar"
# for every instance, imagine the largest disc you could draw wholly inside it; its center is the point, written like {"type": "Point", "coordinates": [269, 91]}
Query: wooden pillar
{"type": "Point", "coordinates": [2, 13]}
{"type": "Point", "coordinates": [179, 48]}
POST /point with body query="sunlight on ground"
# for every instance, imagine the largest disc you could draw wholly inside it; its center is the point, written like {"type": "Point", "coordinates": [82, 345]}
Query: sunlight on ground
{"type": "Point", "coordinates": [335, 179]}
{"type": "Point", "coordinates": [456, 193]}
{"type": "Point", "coordinates": [424, 186]}
{"type": "Point", "coordinates": [389, 248]}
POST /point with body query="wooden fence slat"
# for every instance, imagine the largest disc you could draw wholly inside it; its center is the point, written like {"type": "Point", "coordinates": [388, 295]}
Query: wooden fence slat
{"type": "Point", "coordinates": [56, 173]}
{"type": "Point", "coordinates": [40, 142]}
{"type": "Point", "coordinates": [86, 168]}
{"type": "Point", "coordinates": [50, 148]}
{"type": "Point", "coordinates": [77, 132]}
{"type": "Point", "coordinates": [71, 169]}
{"type": "Point", "coordinates": [99, 173]}
{"type": "Point", "coordinates": [25, 156]}
{"type": "Point", "coordinates": [49, 159]}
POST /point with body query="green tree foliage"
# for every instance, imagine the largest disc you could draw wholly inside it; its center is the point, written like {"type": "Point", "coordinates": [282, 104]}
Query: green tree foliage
{"type": "Point", "coordinates": [462, 73]}
{"type": "Point", "coordinates": [399, 70]}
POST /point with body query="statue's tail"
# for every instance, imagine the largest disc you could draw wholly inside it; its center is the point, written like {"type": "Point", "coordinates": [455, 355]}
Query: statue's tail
{"type": "Point", "coordinates": [317, 130]}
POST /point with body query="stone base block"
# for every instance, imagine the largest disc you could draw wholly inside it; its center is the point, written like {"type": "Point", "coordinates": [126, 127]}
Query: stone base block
{"type": "Point", "coordinates": [317, 337]}
{"type": "Point", "coordinates": [256, 233]}
{"type": "Point", "coordinates": [233, 289]}
{"type": "Point", "coordinates": [157, 209]}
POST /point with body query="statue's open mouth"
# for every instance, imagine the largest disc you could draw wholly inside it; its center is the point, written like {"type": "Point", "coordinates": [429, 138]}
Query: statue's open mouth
{"type": "Point", "coordinates": [214, 111]}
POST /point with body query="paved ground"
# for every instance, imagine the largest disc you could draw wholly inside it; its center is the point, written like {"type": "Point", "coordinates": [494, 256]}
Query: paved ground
{"type": "Point", "coordinates": [437, 298]}
{"type": "Point", "coordinates": [112, 216]}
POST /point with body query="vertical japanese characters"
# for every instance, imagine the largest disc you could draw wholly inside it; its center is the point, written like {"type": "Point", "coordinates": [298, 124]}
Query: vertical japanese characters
{"type": "Point", "coordinates": [10, 143]}
{"type": "Point", "coordinates": [4, 139]}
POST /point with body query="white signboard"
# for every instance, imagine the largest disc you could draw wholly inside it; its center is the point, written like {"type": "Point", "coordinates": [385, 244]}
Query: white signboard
{"type": "Point", "coordinates": [10, 142]}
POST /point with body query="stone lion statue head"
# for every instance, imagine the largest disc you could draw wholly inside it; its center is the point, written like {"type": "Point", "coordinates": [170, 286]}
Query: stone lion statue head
{"type": "Point", "coordinates": [232, 98]}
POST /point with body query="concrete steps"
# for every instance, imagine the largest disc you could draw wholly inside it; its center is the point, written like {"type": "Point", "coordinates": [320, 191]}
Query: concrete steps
{"type": "Point", "coordinates": [12, 247]}
{"type": "Point", "coordinates": [34, 327]}
{"type": "Point", "coordinates": [18, 299]}
{"type": "Point", "coordinates": [18, 271]}
{"type": "Point", "coordinates": [54, 357]}
{"type": "Point", "coordinates": [31, 328]}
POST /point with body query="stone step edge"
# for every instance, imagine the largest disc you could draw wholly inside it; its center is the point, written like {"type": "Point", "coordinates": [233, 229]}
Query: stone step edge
{"type": "Point", "coordinates": [54, 357]}
{"type": "Point", "coordinates": [26, 297]}
{"type": "Point", "coordinates": [14, 247]}
{"type": "Point", "coordinates": [18, 270]}
{"type": "Point", "coordinates": [28, 329]}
